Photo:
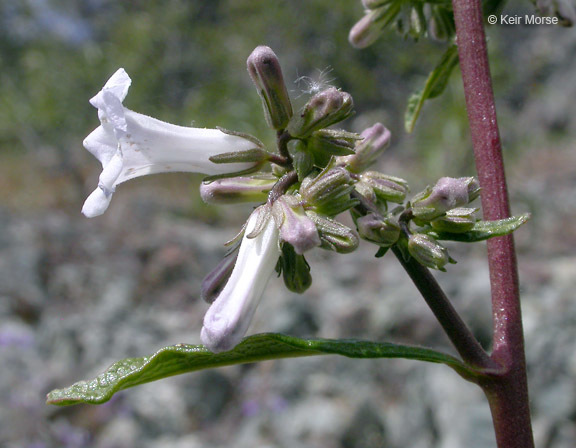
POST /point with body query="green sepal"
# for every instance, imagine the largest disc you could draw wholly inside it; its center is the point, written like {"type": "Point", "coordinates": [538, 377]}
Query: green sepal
{"type": "Point", "coordinates": [183, 358]}
{"type": "Point", "coordinates": [381, 252]}
{"type": "Point", "coordinates": [248, 137]}
{"type": "Point", "coordinates": [295, 270]}
{"type": "Point", "coordinates": [435, 85]}
{"type": "Point", "coordinates": [245, 172]}
{"type": "Point", "coordinates": [250, 155]}
{"type": "Point", "coordinates": [484, 230]}
{"type": "Point", "coordinates": [302, 160]}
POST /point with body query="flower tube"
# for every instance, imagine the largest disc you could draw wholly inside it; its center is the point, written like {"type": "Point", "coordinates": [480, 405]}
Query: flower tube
{"type": "Point", "coordinates": [129, 145]}
{"type": "Point", "coordinates": [229, 316]}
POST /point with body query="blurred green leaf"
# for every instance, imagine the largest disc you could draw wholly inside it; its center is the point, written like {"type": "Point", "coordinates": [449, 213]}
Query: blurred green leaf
{"type": "Point", "coordinates": [182, 358]}
{"type": "Point", "coordinates": [484, 230]}
{"type": "Point", "coordinates": [435, 85]}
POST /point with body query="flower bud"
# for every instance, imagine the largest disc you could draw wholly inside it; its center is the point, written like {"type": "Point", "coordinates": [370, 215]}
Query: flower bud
{"type": "Point", "coordinates": [329, 192]}
{"type": "Point", "coordinates": [448, 193]}
{"type": "Point", "coordinates": [374, 142]}
{"type": "Point", "coordinates": [334, 235]}
{"type": "Point", "coordinates": [457, 220]}
{"type": "Point", "coordinates": [295, 270]}
{"type": "Point", "coordinates": [386, 188]}
{"type": "Point", "coordinates": [232, 190]}
{"type": "Point", "coordinates": [379, 230]}
{"type": "Point", "coordinates": [296, 228]}
{"type": "Point", "coordinates": [367, 30]}
{"type": "Point", "coordinates": [215, 281]}
{"type": "Point", "coordinates": [322, 110]}
{"type": "Point", "coordinates": [371, 4]}
{"type": "Point", "coordinates": [266, 73]}
{"type": "Point", "coordinates": [428, 252]}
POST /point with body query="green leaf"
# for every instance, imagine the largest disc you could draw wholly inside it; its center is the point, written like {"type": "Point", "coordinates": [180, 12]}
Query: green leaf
{"type": "Point", "coordinates": [435, 85]}
{"type": "Point", "coordinates": [484, 230]}
{"type": "Point", "coordinates": [182, 358]}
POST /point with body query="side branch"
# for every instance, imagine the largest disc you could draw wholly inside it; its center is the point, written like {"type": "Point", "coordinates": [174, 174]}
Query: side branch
{"type": "Point", "coordinates": [460, 335]}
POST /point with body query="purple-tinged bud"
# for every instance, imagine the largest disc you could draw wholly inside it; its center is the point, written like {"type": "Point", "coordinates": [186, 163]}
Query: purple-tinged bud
{"type": "Point", "coordinates": [329, 192]}
{"type": "Point", "coordinates": [375, 141]}
{"type": "Point", "coordinates": [386, 188]}
{"type": "Point", "coordinates": [371, 4]}
{"type": "Point", "coordinates": [264, 69]}
{"type": "Point", "coordinates": [295, 227]}
{"type": "Point", "coordinates": [382, 231]}
{"type": "Point", "coordinates": [428, 252]}
{"type": "Point", "coordinates": [448, 193]}
{"type": "Point", "coordinates": [215, 281]}
{"type": "Point", "coordinates": [457, 220]}
{"type": "Point", "coordinates": [322, 110]}
{"type": "Point", "coordinates": [232, 190]}
{"type": "Point", "coordinates": [334, 235]}
{"type": "Point", "coordinates": [367, 30]}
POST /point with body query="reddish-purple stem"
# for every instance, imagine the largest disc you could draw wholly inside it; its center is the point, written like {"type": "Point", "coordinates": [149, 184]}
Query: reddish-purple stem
{"type": "Point", "coordinates": [506, 392]}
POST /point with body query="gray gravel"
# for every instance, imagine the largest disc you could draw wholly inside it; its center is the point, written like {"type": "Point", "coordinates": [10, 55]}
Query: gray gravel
{"type": "Point", "coordinates": [79, 294]}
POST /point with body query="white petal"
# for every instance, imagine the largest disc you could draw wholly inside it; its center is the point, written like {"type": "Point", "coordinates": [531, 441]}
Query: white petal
{"type": "Point", "coordinates": [109, 177]}
{"type": "Point", "coordinates": [152, 146]}
{"type": "Point", "coordinates": [102, 144]}
{"type": "Point", "coordinates": [113, 110]}
{"type": "Point", "coordinates": [230, 315]}
{"type": "Point", "coordinates": [96, 204]}
{"type": "Point", "coordinates": [118, 85]}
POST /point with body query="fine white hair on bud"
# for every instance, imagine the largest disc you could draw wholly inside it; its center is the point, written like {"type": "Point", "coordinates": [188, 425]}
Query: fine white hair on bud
{"type": "Point", "coordinates": [129, 145]}
{"type": "Point", "coordinates": [313, 85]}
{"type": "Point", "coordinates": [229, 316]}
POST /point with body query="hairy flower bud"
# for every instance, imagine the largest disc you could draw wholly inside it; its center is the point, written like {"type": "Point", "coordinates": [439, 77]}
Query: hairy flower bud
{"type": "Point", "coordinates": [296, 228]}
{"type": "Point", "coordinates": [322, 110]}
{"type": "Point", "coordinates": [386, 188]}
{"type": "Point", "coordinates": [371, 4]}
{"type": "Point", "coordinates": [264, 69]}
{"type": "Point", "coordinates": [334, 235]}
{"type": "Point", "coordinates": [457, 220]}
{"type": "Point", "coordinates": [232, 190]}
{"type": "Point", "coordinates": [367, 30]}
{"type": "Point", "coordinates": [379, 230]}
{"type": "Point", "coordinates": [428, 252]}
{"type": "Point", "coordinates": [448, 193]}
{"type": "Point", "coordinates": [374, 142]}
{"type": "Point", "coordinates": [329, 192]}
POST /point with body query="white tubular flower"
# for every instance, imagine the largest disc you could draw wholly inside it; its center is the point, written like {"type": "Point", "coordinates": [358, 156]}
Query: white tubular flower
{"type": "Point", "coordinates": [230, 315]}
{"type": "Point", "coordinates": [129, 145]}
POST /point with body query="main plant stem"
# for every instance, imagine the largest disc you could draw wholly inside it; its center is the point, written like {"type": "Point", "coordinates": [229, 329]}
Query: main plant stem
{"type": "Point", "coordinates": [507, 392]}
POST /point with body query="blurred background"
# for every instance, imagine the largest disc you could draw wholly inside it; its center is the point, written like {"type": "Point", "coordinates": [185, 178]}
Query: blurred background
{"type": "Point", "coordinates": [78, 294]}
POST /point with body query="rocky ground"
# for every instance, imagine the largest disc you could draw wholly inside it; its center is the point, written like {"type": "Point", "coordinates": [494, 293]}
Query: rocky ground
{"type": "Point", "coordinates": [77, 295]}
